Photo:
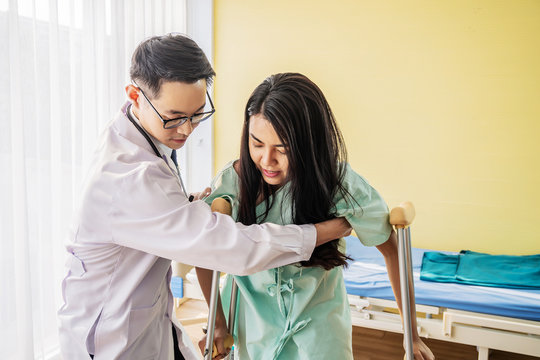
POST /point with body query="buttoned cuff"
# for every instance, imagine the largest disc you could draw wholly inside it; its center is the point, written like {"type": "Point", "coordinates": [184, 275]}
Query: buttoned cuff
{"type": "Point", "coordinates": [309, 240]}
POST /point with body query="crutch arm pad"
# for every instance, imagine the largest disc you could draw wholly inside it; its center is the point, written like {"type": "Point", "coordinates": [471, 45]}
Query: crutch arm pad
{"type": "Point", "coordinates": [402, 215]}
{"type": "Point", "coordinates": [221, 205]}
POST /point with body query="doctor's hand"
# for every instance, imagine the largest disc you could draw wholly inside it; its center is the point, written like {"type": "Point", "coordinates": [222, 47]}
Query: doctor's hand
{"type": "Point", "coordinates": [332, 229]}
{"type": "Point", "coordinates": [222, 342]}
{"type": "Point", "coordinates": [201, 195]}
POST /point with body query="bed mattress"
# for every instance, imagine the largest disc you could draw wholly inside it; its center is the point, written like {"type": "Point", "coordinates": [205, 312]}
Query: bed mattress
{"type": "Point", "coordinates": [366, 276]}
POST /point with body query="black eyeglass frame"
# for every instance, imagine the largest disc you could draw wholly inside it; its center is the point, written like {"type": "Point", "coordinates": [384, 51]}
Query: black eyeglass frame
{"type": "Point", "coordinates": [182, 119]}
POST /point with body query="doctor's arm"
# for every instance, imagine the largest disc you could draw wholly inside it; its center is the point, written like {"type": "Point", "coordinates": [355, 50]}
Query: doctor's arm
{"type": "Point", "coordinates": [389, 250]}
{"type": "Point", "coordinates": [326, 231]}
{"type": "Point", "coordinates": [151, 214]}
{"type": "Point", "coordinates": [332, 229]}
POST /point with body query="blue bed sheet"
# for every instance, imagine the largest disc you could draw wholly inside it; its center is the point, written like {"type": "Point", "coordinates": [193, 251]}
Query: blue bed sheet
{"type": "Point", "coordinates": [366, 276]}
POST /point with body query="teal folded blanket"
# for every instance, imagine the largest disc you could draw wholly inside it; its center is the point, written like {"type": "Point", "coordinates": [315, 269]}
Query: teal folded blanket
{"type": "Point", "coordinates": [473, 268]}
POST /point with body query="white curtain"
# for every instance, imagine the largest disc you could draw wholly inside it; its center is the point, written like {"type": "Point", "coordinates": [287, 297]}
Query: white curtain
{"type": "Point", "coordinates": [63, 68]}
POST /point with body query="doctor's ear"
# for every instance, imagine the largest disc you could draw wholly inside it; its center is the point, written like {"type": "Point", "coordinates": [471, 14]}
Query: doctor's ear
{"type": "Point", "coordinates": [132, 93]}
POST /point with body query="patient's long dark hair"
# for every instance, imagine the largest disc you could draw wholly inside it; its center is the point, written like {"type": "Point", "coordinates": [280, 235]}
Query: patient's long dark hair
{"type": "Point", "coordinates": [304, 122]}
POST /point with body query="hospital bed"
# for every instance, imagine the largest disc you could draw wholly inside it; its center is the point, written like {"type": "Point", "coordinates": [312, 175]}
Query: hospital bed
{"type": "Point", "coordinates": [485, 317]}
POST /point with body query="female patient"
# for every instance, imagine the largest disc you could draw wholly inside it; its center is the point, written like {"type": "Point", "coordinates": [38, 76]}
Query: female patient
{"type": "Point", "coordinates": [293, 169]}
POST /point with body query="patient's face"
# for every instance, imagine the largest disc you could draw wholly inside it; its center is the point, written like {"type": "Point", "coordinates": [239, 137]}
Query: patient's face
{"type": "Point", "coordinates": [267, 151]}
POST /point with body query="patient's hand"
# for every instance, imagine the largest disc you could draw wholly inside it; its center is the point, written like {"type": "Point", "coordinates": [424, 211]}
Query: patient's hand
{"type": "Point", "coordinates": [220, 335]}
{"type": "Point", "coordinates": [201, 195]}
{"type": "Point", "coordinates": [421, 351]}
{"type": "Point", "coordinates": [332, 229]}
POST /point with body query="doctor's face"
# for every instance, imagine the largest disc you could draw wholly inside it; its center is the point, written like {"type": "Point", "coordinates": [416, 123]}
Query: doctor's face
{"type": "Point", "coordinates": [175, 99]}
{"type": "Point", "coordinates": [267, 151]}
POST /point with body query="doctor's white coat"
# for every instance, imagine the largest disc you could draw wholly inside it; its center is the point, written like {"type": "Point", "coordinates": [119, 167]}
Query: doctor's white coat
{"type": "Point", "coordinates": [133, 218]}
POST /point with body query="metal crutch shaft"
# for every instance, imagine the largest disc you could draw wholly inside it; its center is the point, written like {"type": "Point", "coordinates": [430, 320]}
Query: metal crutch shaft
{"type": "Point", "coordinates": [222, 206]}
{"type": "Point", "coordinates": [401, 217]}
{"type": "Point", "coordinates": [208, 348]}
{"type": "Point", "coordinates": [232, 308]}
{"type": "Point", "coordinates": [232, 314]}
{"type": "Point", "coordinates": [405, 291]}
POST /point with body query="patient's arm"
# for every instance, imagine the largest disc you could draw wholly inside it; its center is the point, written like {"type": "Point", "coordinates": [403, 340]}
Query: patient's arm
{"type": "Point", "coordinates": [220, 330]}
{"type": "Point", "coordinates": [389, 250]}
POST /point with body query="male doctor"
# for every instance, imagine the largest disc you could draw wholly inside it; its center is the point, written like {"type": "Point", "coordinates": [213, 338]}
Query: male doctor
{"type": "Point", "coordinates": [134, 218]}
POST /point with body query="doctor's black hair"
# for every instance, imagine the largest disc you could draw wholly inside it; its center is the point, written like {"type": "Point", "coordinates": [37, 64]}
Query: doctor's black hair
{"type": "Point", "coordinates": [301, 117]}
{"type": "Point", "coordinates": [171, 57]}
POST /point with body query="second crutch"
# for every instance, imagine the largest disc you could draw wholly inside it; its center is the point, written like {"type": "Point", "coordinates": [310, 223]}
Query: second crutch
{"type": "Point", "coordinates": [401, 218]}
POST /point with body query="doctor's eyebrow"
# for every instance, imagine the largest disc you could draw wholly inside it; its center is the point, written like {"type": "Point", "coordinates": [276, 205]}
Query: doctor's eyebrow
{"type": "Point", "coordinates": [256, 139]}
{"type": "Point", "coordinates": [176, 112]}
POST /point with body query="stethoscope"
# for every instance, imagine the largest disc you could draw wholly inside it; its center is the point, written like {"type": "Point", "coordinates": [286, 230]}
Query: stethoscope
{"type": "Point", "coordinates": [156, 151]}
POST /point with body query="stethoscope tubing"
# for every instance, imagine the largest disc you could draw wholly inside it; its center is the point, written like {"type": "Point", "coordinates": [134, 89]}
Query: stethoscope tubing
{"type": "Point", "coordinates": [156, 151]}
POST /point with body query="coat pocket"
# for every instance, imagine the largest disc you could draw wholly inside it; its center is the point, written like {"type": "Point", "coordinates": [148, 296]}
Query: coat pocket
{"type": "Point", "coordinates": [144, 330]}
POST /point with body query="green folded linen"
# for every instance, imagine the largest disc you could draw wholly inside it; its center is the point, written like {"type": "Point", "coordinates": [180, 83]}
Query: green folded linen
{"type": "Point", "coordinates": [473, 268]}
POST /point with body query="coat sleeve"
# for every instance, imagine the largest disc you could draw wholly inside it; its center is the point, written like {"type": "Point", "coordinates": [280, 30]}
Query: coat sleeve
{"type": "Point", "coordinates": [150, 213]}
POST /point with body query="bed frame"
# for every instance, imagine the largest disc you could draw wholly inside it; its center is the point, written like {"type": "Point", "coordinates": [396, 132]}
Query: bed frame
{"type": "Point", "coordinates": [484, 331]}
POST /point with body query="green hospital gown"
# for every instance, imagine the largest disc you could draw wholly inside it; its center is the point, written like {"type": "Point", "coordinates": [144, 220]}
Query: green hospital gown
{"type": "Point", "coordinates": [294, 312]}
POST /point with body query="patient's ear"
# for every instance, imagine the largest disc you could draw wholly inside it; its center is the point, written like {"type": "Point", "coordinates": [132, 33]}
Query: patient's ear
{"type": "Point", "coordinates": [132, 93]}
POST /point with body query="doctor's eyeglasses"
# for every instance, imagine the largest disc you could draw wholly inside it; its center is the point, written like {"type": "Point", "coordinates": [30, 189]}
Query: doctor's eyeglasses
{"type": "Point", "coordinates": [179, 121]}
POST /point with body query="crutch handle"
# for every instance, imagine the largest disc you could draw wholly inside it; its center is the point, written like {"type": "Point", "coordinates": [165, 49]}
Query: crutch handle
{"type": "Point", "coordinates": [229, 342]}
{"type": "Point", "coordinates": [402, 215]}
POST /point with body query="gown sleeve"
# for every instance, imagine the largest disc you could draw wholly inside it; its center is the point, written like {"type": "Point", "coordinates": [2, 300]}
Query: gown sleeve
{"type": "Point", "coordinates": [225, 185]}
{"type": "Point", "coordinates": [364, 209]}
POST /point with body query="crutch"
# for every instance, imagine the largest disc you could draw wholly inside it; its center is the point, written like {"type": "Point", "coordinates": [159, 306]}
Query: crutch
{"type": "Point", "coordinates": [232, 315]}
{"type": "Point", "coordinates": [401, 218]}
{"type": "Point", "coordinates": [222, 206]}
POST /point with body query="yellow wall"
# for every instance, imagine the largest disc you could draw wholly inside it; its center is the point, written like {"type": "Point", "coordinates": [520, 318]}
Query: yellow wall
{"type": "Point", "coordinates": [439, 102]}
